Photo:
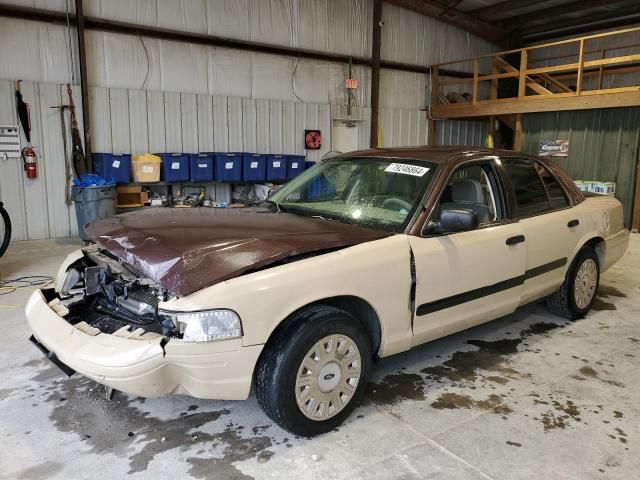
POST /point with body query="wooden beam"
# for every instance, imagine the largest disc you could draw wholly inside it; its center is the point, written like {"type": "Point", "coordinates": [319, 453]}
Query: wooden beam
{"type": "Point", "coordinates": [522, 81]}
{"type": "Point", "coordinates": [580, 68]}
{"type": "Point", "coordinates": [558, 102]}
{"type": "Point", "coordinates": [478, 27]}
{"type": "Point", "coordinates": [556, 83]}
{"type": "Point", "coordinates": [375, 71]}
{"type": "Point", "coordinates": [517, 134]}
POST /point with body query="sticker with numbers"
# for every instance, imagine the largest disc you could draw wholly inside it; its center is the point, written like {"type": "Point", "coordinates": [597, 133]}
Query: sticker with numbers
{"type": "Point", "coordinates": [202, 165]}
{"type": "Point", "coordinates": [147, 169]}
{"type": "Point", "coordinates": [294, 165]}
{"type": "Point", "coordinates": [405, 169]}
{"type": "Point", "coordinates": [175, 165]}
{"type": "Point", "coordinates": [254, 164]}
{"type": "Point", "coordinates": [276, 164]}
{"type": "Point", "coordinates": [116, 164]}
{"type": "Point", "coordinates": [228, 165]}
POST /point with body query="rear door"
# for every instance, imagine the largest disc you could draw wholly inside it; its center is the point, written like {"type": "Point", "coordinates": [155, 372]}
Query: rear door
{"type": "Point", "coordinates": [466, 278]}
{"type": "Point", "coordinates": [551, 226]}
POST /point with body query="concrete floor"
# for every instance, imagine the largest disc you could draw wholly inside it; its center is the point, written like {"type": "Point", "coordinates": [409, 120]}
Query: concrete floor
{"type": "Point", "coordinates": [528, 395]}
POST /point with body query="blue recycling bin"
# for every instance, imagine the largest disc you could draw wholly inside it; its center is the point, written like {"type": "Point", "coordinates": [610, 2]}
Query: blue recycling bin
{"type": "Point", "coordinates": [254, 167]}
{"type": "Point", "coordinates": [277, 168]}
{"type": "Point", "coordinates": [295, 165]}
{"type": "Point", "coordinates": [201, 167]}
{"type": "Point", "coordinates": [229, 167]}
{"type": "Point", "coordinates": [113, 166]}
{"type": "Point", "coordinates": [175, 167]}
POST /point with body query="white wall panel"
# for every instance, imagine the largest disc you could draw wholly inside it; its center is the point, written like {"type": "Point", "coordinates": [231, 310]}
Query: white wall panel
{"type": "Point", "coordinates": [155, 120]}
{"type": "Point", "coordinates": [119, 114]}
{"type": "Point", "coordinates": [100, 119]}
{"type": "Point", "coordinates": [221, 124]}
{"type": "Point", "coordinates": [37, 206]}
{"type": "Point", "coordinates": [205, 123]}
{"type": "Point", "coordinates": [138, 121]}
{"type": "Point", "coordinates": [249, 125]}
{"type": "Point", "coordinates": [189, 122]}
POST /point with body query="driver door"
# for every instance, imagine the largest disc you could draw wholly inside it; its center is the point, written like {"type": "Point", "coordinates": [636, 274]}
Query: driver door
{"type": "Point", "coordinates": [469, 277]}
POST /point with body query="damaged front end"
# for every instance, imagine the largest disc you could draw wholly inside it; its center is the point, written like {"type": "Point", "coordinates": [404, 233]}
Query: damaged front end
{"type": "Point", "coordinates": [100, 292]}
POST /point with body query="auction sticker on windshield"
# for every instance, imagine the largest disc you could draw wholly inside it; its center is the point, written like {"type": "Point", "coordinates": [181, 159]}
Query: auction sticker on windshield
{"type": "Point", "coordinates": [405, 169]}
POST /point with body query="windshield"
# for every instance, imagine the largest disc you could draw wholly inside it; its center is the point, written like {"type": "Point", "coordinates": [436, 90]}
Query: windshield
{"type": "Point", "coordinates": [371, 192]}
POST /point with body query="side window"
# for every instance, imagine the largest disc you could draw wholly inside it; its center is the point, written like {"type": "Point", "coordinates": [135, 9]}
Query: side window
{"type": "Point", "coordinates": [471, 187]}
{"type": "Point", "coordinates": [557, 197]}
{"type": "Point", "coordinates": [531, 196]}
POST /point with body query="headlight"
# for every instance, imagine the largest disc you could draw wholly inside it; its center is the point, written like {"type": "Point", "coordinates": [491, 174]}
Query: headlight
{"type": "Point", "coordinates": [206, 326]}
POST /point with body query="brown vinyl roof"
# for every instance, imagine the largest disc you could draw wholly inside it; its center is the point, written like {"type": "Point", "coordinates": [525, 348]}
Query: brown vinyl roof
{"type": "Point", "coordinates": [427, 153]}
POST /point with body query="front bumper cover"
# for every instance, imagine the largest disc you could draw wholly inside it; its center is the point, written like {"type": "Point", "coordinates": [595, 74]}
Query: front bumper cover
{"type": "Point", "coordinates": [149, 367]}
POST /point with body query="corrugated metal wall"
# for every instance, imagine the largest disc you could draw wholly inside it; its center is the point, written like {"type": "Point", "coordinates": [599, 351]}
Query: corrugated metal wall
{"type": "Point", "coordinates": [37, 207]}
{"type": "Point", "coordinates": [603, 146]}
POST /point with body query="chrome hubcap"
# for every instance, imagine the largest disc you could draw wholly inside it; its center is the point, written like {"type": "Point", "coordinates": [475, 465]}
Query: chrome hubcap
{"type": "Point", "coordinates": [584, 287]}
{"type": "Point", "coordinates": [328, 377]}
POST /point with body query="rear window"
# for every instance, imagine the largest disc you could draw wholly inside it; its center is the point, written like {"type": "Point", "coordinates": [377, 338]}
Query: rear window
{"type": "Point", "coordinates": [557, 197]}
{"type": "Point", "coordinates": [531, 195]}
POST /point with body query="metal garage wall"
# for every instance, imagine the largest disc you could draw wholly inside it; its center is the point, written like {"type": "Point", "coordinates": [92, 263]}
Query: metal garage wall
{"type": "Point", "coordinates": [138, 121]}
{"type": "Point", "coordinates": [462, 132]}
{"type": "Point", "coordinates": [37, 207]}
{"type": "Point", "coordinates": [604, 145]}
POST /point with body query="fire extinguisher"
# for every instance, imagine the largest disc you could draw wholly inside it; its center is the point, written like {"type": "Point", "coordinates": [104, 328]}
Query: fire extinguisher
{"type": "Point", "coordinates": [30, 161]}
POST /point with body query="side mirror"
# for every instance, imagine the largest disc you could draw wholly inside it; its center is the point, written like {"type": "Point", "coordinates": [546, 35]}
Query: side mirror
{"type": "Point", "coordinates": [459, 220]}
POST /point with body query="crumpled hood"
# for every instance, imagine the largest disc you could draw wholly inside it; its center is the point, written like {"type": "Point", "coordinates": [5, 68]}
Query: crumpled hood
{"type": "Point", "coordinates": [185, 250]}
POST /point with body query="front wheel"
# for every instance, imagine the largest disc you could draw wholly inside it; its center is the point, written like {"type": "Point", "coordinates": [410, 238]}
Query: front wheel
{"type": "Point", "coordinates": [312, 374]}
{"type": "Point", "coordinates": [578, 292]}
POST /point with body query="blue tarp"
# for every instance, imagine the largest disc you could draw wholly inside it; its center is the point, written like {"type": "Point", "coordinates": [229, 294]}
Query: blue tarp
{"type": "Point", "coordinates": [92, 180]}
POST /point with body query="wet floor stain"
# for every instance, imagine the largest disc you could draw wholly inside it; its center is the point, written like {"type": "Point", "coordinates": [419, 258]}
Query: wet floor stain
{"type": "Point", "coordinates": [562, 415]}
{"type": "Point", "coordinates": [235, 449]}
{"type": "Point", "coordinates": [600, 305]}
{"type": "Point", "coordinates": [467, 365]}
{"type": "Point", "coordinates": [121, 428]}
{"type": "Point", "coordinates": [610, 291]}
{"type": "Point", "coordinates": [452, 401]}
{"type": "Point", "coordinates": [395, 388]}
{"type": "Point", "coordinates": [590, 372]}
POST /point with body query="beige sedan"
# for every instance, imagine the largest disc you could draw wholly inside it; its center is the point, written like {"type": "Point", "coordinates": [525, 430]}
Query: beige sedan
{"type": "Point", "coordinates": [363, 256]}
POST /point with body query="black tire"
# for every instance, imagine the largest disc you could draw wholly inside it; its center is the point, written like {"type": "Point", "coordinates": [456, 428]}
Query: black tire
{"type": "Point", "coordinates": [563, 302]}
{"type": "Point", "coordinates": [4, 241]}
{"type": "Point", "coordinates": [275, 376]}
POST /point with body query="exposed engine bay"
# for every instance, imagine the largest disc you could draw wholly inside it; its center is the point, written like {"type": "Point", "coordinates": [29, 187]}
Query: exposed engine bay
{"type": "Point", "coordinates": [107, 294]}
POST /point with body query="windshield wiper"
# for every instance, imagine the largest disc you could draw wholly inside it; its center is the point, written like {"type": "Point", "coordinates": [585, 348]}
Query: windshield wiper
{"type": "Point", "coordinates": [321, 218]}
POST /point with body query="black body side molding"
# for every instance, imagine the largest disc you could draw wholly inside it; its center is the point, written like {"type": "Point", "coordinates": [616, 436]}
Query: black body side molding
{"type": "Point", "coordinates": [477, 293]}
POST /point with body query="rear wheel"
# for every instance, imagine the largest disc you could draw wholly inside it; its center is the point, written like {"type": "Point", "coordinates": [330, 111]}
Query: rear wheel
{"type": "Point", "coordinates": [578, 292]}
{"type": "Point", "coordinates": [5, 230]}
{"type": "Point", "coordinates": [312, 374]}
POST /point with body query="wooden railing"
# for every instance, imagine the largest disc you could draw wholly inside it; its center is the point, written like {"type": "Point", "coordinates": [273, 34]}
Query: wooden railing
{"type": "Point", "coordinates": [530, 79]}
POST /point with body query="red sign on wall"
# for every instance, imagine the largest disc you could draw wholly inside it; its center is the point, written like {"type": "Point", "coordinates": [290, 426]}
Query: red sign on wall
{"type": "Point", "coordinates": [312, 140]}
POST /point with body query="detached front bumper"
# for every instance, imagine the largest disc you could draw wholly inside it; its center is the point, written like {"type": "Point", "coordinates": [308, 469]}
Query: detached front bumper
{"type": "Point", "coordinates": [148, 367]}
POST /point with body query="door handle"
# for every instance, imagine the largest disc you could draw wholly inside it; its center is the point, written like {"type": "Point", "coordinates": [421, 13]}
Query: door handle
{"type": "Point", "coordinates": [573, 223]}
{"type": "Point", "coordinates": [514, 240]}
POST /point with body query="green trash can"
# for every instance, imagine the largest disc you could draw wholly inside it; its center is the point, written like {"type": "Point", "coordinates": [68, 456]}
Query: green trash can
{"type": "Point", "coordinates": [93, 203]}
